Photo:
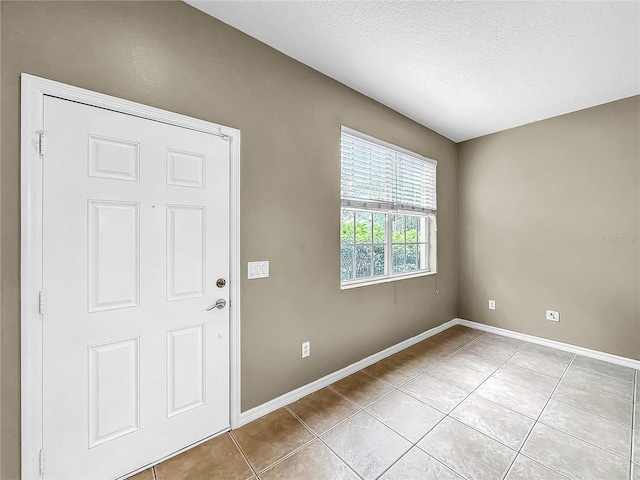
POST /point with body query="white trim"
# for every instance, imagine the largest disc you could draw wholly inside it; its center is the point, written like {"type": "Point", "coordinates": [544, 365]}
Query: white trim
{"type": "Point", "coordinates": [567, 347]}
{"type": "Point", "coordinates": [234, 277]}
{"type": "Point", "coordinates": [298, 393]}
{"type": "Point", "coordinates": [355, 283]}
{"type": "Point", "coordinates": [327, 380]}
{"type": "Point", "coordinates": [34, 89]}
{"type": "Point", "coordinates": [31, 277]}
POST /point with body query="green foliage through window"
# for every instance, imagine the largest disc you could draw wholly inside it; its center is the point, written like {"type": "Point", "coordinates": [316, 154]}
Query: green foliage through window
{"type": "Point", "coordinates": [364, 251]}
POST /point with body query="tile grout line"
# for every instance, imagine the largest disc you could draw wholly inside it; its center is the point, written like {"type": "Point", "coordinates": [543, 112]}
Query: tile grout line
{"type": "Point", "coordinates": [363, 410]}
{"type": "Point", "coordinates": [287, 456]}
{"type": "Point", "coordinates": [328, 429]}
{"type": "Point", "coordinates": [397, 388]}
{"type": "Point", "coordinates": [588, 388]}
{"type": "Point", "coordinates": [475, 389]}
{"type": "Point", "coordinates": [341, 459]}
{"type": "Point", "coordinates": [443, 359]}
{"type": "Point", "coordinates": [318, 438]}
{"type": "Point", "coordinates": [257, 473]}
{"type": "Point", "coordinates": [539, 355]}
{"type": "Point", "coordinates": [286, 407]}
{"type": "Point", "coordinates": [536, 421]}
{"type": "Point", "coordinates": [609, 452]}
{"type": "Point", "coordinates": [413, 444]}
{"type": "Point", "coordinates": [518, 452]}
{"type": "Point", "coordinates": [557, 381]}
{"type": "Point", "coordinates": [394, 389]}
{"type": "Point", "coordinates": [542, 465]}
{"type": "Point", "coordinates": [608, 419]}
{"type": "Point", "coordinates": [246, 459]}
{"type": "Point", "coordinates": [605, 375]}
{"type": "Point", "coordinates": [451, 355]}
{"type": "Point", "coordinates": [578, 408]}
{"type": "Point", "coordinates": [477, 339]}
{"type": "Point", "coordinates": [448, 415]}
{"type": "Point", "coordinates": [295, 450]}
{"type": "Point", "coordinates": [439, 360]}
{"type": "Point", "coordinates": [352, 402]}
{"type": "Point", "coordinates": [510, 467]}
{"type": "Point", "coordinates": [482, 383]}
{"type": "Point", "coordinates": [524, 443]}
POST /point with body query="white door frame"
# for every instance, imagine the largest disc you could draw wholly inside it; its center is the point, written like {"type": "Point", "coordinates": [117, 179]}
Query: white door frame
{"type": "Point", "coordinates": [34, 90]}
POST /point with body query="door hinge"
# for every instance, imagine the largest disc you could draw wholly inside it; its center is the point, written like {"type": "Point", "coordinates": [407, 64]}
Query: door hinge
{"type": "Point", "coordinates": [41, 303]}
{"type": "Point", "coordinates": [40, 142]}
{"type": "Point", "coordinates": [41, 462]}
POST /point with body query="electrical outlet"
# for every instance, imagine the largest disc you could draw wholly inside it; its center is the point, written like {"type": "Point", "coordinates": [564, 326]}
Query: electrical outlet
{"type": "Point", "coordinates": [492, 304]}
{"type": "Point", "coordinates": [306, 349]}
{"type": "Point", "coordinates": [553, 315]}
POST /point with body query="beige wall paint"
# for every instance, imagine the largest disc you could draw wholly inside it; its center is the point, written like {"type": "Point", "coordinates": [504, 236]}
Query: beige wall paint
{"type": "Point", "coordinates": [548, 219]}
{"type": "Point", "coordinates": [174, 57]}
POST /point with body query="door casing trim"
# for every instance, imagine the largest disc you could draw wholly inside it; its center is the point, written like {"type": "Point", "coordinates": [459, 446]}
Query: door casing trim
{"type": "Point", "coordinates": [33, 91]}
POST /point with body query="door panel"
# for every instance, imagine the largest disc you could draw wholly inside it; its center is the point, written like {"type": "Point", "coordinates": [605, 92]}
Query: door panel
{"type": "Point", "coordinates": [114, 390]}
{"type": "Point", "coordinates": [114, 255]}
{"type": "Point", "coordinates": [135, 234]}
{"type": "Point", "coordinates": [186, 369]}
{"type": "Point", "coordinates": [186, 252]}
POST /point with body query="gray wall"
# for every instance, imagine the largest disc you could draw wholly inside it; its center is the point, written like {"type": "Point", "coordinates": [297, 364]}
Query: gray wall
{"type": "Point", "coordinates": [548, 219]}
{"type": "Point", "coordinates": [174, 57]}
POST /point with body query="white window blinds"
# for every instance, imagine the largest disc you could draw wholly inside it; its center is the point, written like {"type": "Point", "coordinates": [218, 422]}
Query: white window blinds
{"type": "Point", "coordinates": [380, 176]}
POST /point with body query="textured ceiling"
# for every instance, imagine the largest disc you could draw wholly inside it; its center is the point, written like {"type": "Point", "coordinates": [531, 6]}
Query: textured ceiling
{"type": "Point", "coordinates": [463, 69]}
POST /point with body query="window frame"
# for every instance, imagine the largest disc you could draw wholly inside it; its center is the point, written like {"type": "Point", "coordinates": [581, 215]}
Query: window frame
{"type": "Point", "coordinates": [430, 221]}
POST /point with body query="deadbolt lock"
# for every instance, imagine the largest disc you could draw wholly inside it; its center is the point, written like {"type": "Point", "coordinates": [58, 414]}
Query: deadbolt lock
{"type": "Point", "coordinates": [221, 282]}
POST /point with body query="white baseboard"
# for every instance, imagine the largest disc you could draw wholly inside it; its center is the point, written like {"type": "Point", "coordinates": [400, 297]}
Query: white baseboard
{"type": "Point", "coordinates": [567, 347]}
{"type": "Point", "coordinates": [298, 393]}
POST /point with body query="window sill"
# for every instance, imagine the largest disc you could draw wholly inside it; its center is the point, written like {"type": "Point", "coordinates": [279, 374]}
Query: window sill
{"type": "Point", "coordinates": [378, 281]}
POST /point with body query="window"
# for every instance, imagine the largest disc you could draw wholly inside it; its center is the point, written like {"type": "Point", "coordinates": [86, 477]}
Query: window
{"type": "Point", "coordinates": [388, 214]}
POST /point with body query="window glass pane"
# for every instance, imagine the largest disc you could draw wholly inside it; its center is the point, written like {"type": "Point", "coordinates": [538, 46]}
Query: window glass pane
{"type": "Point", "coordinates": [412, 229]}
{"type": "Point", "coordinates": [346, 227]}
{"type": "Point", "coordinates": [397, 259]}
{"type": "Point", "coordinates": [378, 260]}
{"type": "Point", "coordinates": [398, 229]}
{"type": "Point", "coordinates": [346, 263]}
{"type": "Point", "coordinates": [379, 228]}
{"type": "Point", "coordinates": [364, 231]}
{"type": "Point", "coordinates": [363, 261]}
{"type": "Point", "coordinates": [388, 204]}
{"type": "Point", "coordinates": [411, 262]}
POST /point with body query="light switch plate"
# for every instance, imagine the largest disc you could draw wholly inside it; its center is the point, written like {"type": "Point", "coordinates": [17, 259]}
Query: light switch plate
{"type": "Point", "coordinates": [258, 269]}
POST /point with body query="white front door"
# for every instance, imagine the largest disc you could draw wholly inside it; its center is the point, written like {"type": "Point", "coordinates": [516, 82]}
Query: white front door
{"type": "Point", "coordinates": [135, 237]}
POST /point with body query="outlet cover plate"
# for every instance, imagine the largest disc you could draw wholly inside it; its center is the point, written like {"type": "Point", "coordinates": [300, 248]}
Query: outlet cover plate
{"type": "Point", "coordinates": [306, 349]}
{"type": "Point", "coordinates": [492, 304]}
{"type": "Point", "coordinates": [553, 315]}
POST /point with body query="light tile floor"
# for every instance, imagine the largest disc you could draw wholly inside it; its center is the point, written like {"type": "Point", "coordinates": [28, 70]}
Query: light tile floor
{"type": "Point", "coordinates": [462, 404]}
